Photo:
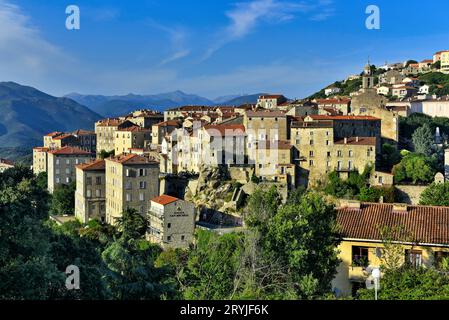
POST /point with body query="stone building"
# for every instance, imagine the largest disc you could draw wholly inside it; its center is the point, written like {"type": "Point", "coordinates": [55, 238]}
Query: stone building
{"type": "Point", "coordinates": [40, 160]}
{"type": "Point", "coordinates": [171, 222]}
{"type": "Point", "coordinates": [5, 165]}
{"type": "Point", "coordinates": [162, 129]}
{"type": "Point", "coordinates": [271, 101]}
{"type": "Point", "coordinates": [131, 181]}
{"type": "Point", "coordinates": [145, 118]}
{"type": "Point", "coordinates": [87, 140]}
{"type": "Point", "coordinates": [90, 195]}
{"type": "Point", "coordinates": [61, 165]}
{"type": "Point", "coordinates": [265, 125]}
{"type": "Point", "coordinates": [129, 138]}
{"type": "Point", "coordinates": [105, 131]}
{"type": "Point", "coordinates": [321, 148]}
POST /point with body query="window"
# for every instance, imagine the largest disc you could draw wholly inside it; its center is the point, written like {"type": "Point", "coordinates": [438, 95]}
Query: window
{"type": "Point", "coordinates": [143, 184]}
{"type": "Point", "coordinates": [168, 238]}
{"type": "Point", "coordinates": [311, 163]}
{"type": "Point", "coordinates": [360, 256]}
{"type": "Point", "coordinates": [328, 154]}
{"type": "Point", "coordinates": [68, 180]}
{"type": "Point", "coordinates": [89, 181]}
{"type": "Point", "coordinates": [142, 172]}
{"type": "Point", "coordinates": [128, 197]}
{"type": "Point", "coordinates": [141, 197]}
{"type": "Point", "coordinates": [339, 153]}
{"type": "Point", "coordinates": [98, 180]}
{"type": "Point", "coordinates": [67, 170]}
{"type": "Point", "coordinates": [311, 142]}
{"type": "Point", "coordinates": [89, 193]}
{"type": "Point", "coordinates": [128, 172]}
{"type": "Point", "coordinates": [67, 161]}
{"type": "Point", "coordinates": [311, 154]}
{"type": "Point", "coordinates": [350, 165]}
{"type": "Point", "coordinates": [98, 193]}
{"type": "Point", "coordinates": [351, 153]}
{"type": "Point", "coordinates": [57, 161]}
{"type": "Point", "coordinates": [169, 225]}
{"type": "Point", "coordinates": [58, 171]}
{"type": "Point", "coordinates": [414, 257]}
{"type": "Point", "coordinates": [57, 180]}
{"type": "Point", "coordinates": [128, 185]}
{"type": "Point", "coordinates": [183, 238]}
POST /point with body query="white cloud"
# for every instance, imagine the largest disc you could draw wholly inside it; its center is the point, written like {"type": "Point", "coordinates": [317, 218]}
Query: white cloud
{"type": "Point", "coordinates": [246, 16]}
{"type": "Point", "coordinates": [22, 47]}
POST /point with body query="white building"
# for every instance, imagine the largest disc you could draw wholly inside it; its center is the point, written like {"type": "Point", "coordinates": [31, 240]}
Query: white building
{"type": "Point", "coordinates": [384, 90]}
{"type": "Point", "coordinates": [332, 90]}
{"type": "Point", "coordinates": [433, 107]}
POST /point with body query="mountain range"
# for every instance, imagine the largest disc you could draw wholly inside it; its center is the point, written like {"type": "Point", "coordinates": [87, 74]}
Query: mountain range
{"type": "Point", "coordinates": [27, 114]}
{"type": "Point", "coordinates": [112, 106]}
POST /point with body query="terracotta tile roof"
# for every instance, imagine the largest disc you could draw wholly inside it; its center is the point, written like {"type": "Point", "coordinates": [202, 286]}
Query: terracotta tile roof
{"type": "Point", "coordinates": [164, 199]}
{"type": "Point", "coordinates": [361, 141]}
{"type": "Point", "coordinates": [226, 129]}
{"type": "Point", "coordinates": [272, 96]}
{"type": "Point", "coordinates": [54, 134]}
{"type": "Point", "coordinates": [42, 149]}
{"type": "Point", "coordinates": [265, 114]}
{"type": "Point", "coordinates": [96, 165]}
{"type": "Point", "coordinates": [132, 129]}
{"type": "Point", "coordinates": [169, 123]}
{"type": "Point", "coordinates": [333, 101]}
{"type": "Point", "coordinates": [69, 151]}
{"type": "Point", "coordinates": [131, 159]}
{"type": "Point", "coordinates": [6, 161]}
{"type": "Point", "coordinates": [110, 122]}
{"type": "Point", "coordinates": [426, 225]}
{"type": "Point", "coordinates": [192, 109]}
{"type": "Point", "coordinates": [64, 136]}
{"type": "Point", "coordinates": [324, 117]}
{"type": "Point", "coordinates": [82, 132]}
{"type": "Point", "coordinates": [427, 61]}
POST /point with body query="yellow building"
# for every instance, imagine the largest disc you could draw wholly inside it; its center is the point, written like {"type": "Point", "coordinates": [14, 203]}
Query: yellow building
{"type": "Point", "coordinates": [129, 138]}
{"type": "Point", "coordinates": [171, 222]}
{"type": "Point", "coordinates": [90, 195]}
{"type": "Point", "coordinates": [445, 62]}
{"type": "Point", "coordinates": [48, 139]}
{"type": "Point", "coordinates": [424, 239]}
{"type": "Point", "coordinates": [131, 182]}
{"type": "Point", "coordinates": [105, 131]}
{"type": "Point", "coordinates": [61, 165]}
{"type": "Point", "coordinates": [160, 130]}
{"type": "Point", "coordinates": [265, 125]}
{"type": "Point", "coordinates": [145, 118]}
{"type": "Point", "coordinates": [40, 160]}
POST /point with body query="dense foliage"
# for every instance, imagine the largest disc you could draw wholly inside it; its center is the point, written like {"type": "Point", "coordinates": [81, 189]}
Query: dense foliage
{"type": "Point", "coordinates": [63, 200]}
{"type": "Point", "coordinates": [415, 168]}
{"type": "Point", "coordinates": [437, 194]}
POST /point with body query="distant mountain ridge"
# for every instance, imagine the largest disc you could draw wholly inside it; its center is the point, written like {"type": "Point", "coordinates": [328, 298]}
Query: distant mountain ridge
{"type": "Point", "coordinates": [27, 114]}
{"type": "Point", "coordinates": [113, 106]}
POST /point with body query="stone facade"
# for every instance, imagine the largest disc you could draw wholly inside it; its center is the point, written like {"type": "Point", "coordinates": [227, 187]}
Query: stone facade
{"type": "Point", "coordinates": [131, 181]}
{"type": "Point", "coordinates": [90, 195]}
{"type": "Point", "coordinates": [171, 222]}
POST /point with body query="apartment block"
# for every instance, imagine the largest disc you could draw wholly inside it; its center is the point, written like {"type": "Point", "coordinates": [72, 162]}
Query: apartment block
{"type": "Point", "coordinates": [61, 165]}
{"type": "Point", "coordinates": [445, 62]}
{"type": "Point", "coordinates": [171, 222]}
{"type": "Point", "coordinates": [87, 140]}
{"type": "Point", "coordinates": [271, 101]}
{"type": "Point", "coordinates": [145, 118]}
{"type": "Point", "coordinates": [90, 195]}
{"type": "Point", "coordinates": [160, 130]}
{"type": "Point", "coordinates": [131, 181]}
{"type": "Point", "coordinates": [321, 147]}
{"type": "Point", "coordinates": [56, 140]}
{"type": "Point", "coordinates": [105, 131]}
{"type": "Point", "coordinates": [266, 125]}
{"type": "Point", "coordinates": [40, 158]}
{"type": "Point", "coordinates": [129, 138]}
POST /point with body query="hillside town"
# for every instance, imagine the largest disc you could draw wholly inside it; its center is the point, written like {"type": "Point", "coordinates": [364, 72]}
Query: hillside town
{"type": "Point", "coordinates": [194, 167]}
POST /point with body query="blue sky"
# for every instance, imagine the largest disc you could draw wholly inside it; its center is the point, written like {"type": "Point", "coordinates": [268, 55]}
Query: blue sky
{"type": "Point", "coordinates": [212, 47]}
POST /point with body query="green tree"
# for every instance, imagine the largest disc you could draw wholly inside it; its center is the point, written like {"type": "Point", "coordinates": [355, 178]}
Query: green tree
{"type": "Point", "coordinates": [304, 237]}
{"type": "Point", "coordinates": [132, 273]}
{"type": "Point", "coordinates": [423, 140]}
{"type": "Point", "coordinates": [42, 180]}
{"type": "Point", "coordinates": [106, 154]}
{"type": "Point", "coordinates": [408, 283]}
{"type": "Point", "coordinates": [416, 168]}
{"type": "Point", "coordinates": [63, 200]}
{"type": "Point", "coordinates": [261, 208]}
{"type": "Point", "coordinates": [437, 194]}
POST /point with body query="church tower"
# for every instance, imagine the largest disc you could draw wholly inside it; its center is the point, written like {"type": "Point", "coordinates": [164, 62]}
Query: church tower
{"type": "Point", "coordinates": [367, 78]}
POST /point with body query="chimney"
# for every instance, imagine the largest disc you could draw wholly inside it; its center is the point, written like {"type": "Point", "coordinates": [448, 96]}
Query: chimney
{"type": "Point", "coordinates": [400, 207]}
{"type": "Point", "coordinates": [357, 139]}
{"type": "Point", "coordinates": [346, 140]}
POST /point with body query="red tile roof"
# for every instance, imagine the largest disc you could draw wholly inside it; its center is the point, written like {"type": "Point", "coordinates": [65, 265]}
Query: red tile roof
{"type": "Point", "coordinates": [110, 122]}
{"type": "Point", "coordinates": [361, 141]}
{"type": "Point", "coordinates": [130, 159]}
{"type": "Point", "coordinates": [164, 199]}
{"type": "Point", "coordinates": [324, 117]}
{"type": "Point", "coordinates": [226, 129]}
{"type": "Point", "coordinates": [64, 136]}
{"type": "Point", "coordinates": [42, 149]}
{"type": "Point", "coordinates": [6, 161]}
{"type": "Point", "coordinates": [425, 224]}
{"type": "Point", "coordinates": [96, 165]}
{"type": "Point", "coordinates": [54, 134]}
{"type": "Point", "coordinates": [81, 132]}
{"type": "Point", "coordinates": [133, 129]}
{"type": "Point", "coordinates": [265, 114]}
{"type": "Point", "coordinates": [169, 123]}
{"type": "Point", "coordinates": [70, 151]}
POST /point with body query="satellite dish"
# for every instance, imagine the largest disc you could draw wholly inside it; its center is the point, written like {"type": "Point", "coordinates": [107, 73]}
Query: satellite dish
{"type": "Point", "coordinates": [370, 283]}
